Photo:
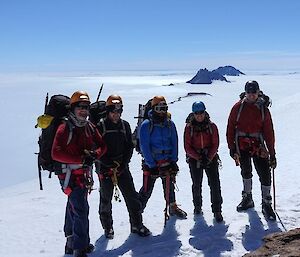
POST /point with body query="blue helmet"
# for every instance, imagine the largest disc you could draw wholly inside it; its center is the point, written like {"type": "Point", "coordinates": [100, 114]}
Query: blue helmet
{"type": "Point", "coordinates": [198, 107]}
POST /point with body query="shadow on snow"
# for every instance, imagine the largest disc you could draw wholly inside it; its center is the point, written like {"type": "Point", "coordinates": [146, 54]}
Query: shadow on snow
{"type": "Point", "coordinates": [163, 245]}
{"type": "Point", "coordinates": [255, 231]}
{"type": "Point", "coordinates": [211, 240]}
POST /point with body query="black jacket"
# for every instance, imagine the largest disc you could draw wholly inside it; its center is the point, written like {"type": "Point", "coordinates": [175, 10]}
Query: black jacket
{"type": "Point", "coordinates": [118, 139]}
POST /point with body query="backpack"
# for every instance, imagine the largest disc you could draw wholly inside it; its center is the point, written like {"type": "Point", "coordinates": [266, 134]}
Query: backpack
{"type": "Point", "coordinates": [143, 114]}
{"type": "Point", "coordinates": [57, 109]}
{"type": "Point", "coordinates": [97, 111]}
{"type": "Point", "coordinates": [263, 102]}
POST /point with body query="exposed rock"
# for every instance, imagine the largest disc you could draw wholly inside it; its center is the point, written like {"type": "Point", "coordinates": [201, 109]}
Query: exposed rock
{"type": "Point", "coordinates": [229, 71]}
{"type": "Point", "coordinates": [283, 244]}
{"type": "Point", "coordinates": [205, 76]}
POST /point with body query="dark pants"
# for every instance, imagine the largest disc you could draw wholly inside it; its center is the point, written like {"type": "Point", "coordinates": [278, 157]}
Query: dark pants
{"type": "Point", "coordinates": [147, 188]}
{"type": "Point", "coordinates": [213, 181]}
{"type": "Point", "coordinates": [126, 186]}
{"type": "Point", "coordinates": [76, 219]}
{"type": "Point", "coordinates": [261, 165]}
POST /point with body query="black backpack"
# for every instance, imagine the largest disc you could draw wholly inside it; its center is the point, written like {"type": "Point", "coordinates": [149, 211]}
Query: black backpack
{"type": "Point", "coordinates": [142, 115]}
{"type": "Point", "coordinates": [58, 108]}
{"type": "Point", "coordinates": [97, 112]}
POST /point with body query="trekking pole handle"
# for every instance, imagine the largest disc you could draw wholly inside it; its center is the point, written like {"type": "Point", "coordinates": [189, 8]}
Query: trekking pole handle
{"type": "Point", "coordinates": [236, 158]}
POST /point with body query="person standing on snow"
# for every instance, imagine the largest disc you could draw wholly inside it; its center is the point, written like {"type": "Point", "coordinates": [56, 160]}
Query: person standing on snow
{"type": "Point", "coordinates": [114, 169]}
{"type": "Point", "coordinates": [77, 144]}
{"type": "Point", "coordinates": [201, 142]}
{"type": "Point", "coordinates": [250, 136]}
{"type": "Point", "coordinates": [159, 147]}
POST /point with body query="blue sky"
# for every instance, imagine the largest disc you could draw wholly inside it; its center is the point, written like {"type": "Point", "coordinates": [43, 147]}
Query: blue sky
{"type": "Point", "coordinates": [95, 35]}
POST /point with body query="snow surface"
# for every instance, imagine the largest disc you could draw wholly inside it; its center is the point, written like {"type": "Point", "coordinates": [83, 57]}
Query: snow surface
{"type": "Point", "coordinates": [31, 221]}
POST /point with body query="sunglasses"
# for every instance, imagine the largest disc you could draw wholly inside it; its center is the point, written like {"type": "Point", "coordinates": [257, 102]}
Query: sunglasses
{"type": "Point", "coordinates": [161, 107]}
{"type": "Point", "coordinates": [83, 107]}
{"type": "Point", "coordinates": [252, 91]}
{"type": "Point", "coordinates": [199, 113]}
{"type": "Point", "coordinates": [117, 111]}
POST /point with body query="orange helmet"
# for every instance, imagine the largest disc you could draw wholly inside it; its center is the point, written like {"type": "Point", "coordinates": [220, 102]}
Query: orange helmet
{"type": "Point", "coordinates": [114, 100]}
{"type": "Point", "coordinates": [157, 99]}
{"type": "Point", "coordinates": [80, 96]}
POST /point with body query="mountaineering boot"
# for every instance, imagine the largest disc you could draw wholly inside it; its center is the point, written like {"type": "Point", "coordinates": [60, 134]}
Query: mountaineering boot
{"type": "Point", "coordinates": [69, 245]}
{"type": "Point", "coordinates": [246, 203]}
{"type": "Point", "coordinates": [175, 210]}
{"type": "Point", "coordinates": [198, 210]}
{"type": "Point", "coordinates": [267, 209]}
{"type": "Point", "coordinates": [88, 249]}
{"type": "Point", "coordinates": [79, 253]}
{"type": "Point", "coordinates": [142, 231]}
{"type": "Point", "coordinates": [109, 233]}
{"type": "Point", "coordinates": [218, 217]}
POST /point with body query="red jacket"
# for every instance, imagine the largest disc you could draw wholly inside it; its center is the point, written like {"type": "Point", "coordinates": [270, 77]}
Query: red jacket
{"type": "Point", "coordinates": [82, 138]}
{"type": "Point", "coordinates": [196, 141]}
{"type": "Point", "coordinates": [249, 122]}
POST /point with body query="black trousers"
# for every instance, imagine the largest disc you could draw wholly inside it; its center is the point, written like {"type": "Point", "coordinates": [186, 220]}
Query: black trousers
{"type": "Point", "coordinates": [126, 186]}
{"type": "Point", "coordinates": [147, 188]}
{"type": "Point", "coordinates": [212, 173]}
{"type": "Point", "coordinates": [261, 165]}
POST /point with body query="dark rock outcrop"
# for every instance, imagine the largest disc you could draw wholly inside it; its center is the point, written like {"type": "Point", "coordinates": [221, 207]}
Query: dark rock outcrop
{"type": "Point", "coordinates": [281, 244]}
{"type": "Point", "coordinates": [205, 76]}
{"type": "Point", "coordinates": [229, 71]}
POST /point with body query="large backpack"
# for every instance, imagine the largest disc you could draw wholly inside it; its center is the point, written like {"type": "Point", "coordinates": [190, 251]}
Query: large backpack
{"type": "Point", "coordinates": [97, 112]}
{"type": "Point", "coordinates": [142, 115]}
{"type": "Point", "coordinates": [57, 109]}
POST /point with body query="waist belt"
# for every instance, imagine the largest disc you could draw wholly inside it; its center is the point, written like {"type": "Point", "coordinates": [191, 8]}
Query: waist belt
{"type": "Point", "coordinates": [157, 151]}
{"type": "Point", "coordinates": [243, 134]}
{"type": "Point", "coordinates": [257, 135]}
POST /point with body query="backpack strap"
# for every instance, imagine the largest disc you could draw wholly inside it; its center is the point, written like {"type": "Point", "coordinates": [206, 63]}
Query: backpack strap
{"type": "Point", "coordinates": [70, 127]}
{"type": "Point", "coordinates": [105, 131]}
{"type": "Point", "coordinates": [240, 110]}
{"type": "Point", "coordinates": [210, 130]}
{"type": "Point", "coordinates": [261, 106]}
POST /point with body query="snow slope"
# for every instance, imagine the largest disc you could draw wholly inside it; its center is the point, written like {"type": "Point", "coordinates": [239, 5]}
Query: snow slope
{"type": "Point", "coordinates": [31, 220]}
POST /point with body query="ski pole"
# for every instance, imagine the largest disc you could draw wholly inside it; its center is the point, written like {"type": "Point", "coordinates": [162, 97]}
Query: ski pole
{"type": "Point", "coordinates": [274, 192]}
{"type": "Point", "coordinates": [168, 181]}
{"type": "Point", "coordinates": [274, 201]}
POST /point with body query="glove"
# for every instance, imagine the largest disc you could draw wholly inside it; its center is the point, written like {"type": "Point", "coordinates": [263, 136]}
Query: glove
{"type": "Point", "coordinates": [88, 161]}
{"type": "Point", "coordinates": [89, 158]}
{"type": "Point", "coordinates": [232, 152]}
{"type": "Point", "coordinates": [273, 162]}
{"type": "Point", "coordinates": [154, 171]}
{"type": "Point", "coordinates": [205, 162]}
{"type": "Point", "coordinates": [174, 167]}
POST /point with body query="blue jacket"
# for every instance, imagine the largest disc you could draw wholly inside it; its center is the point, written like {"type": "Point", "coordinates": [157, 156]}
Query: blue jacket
{"type": "Point", "coordinates": [158, 141]}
